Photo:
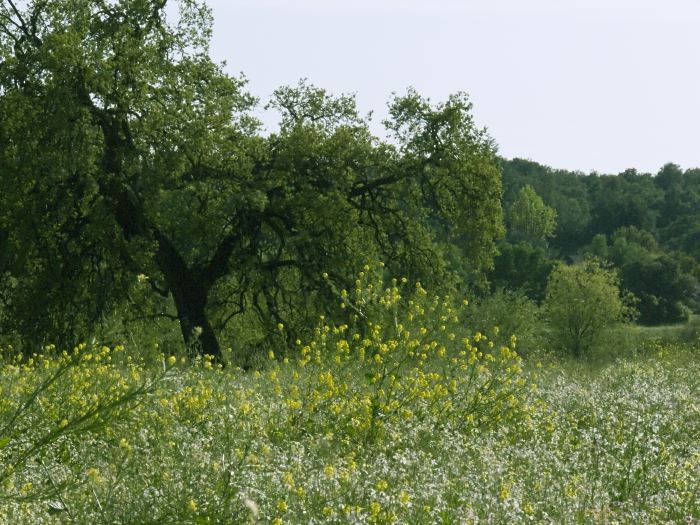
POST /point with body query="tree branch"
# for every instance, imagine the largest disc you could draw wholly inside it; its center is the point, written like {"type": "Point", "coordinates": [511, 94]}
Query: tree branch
{"type": "Point", "coordinates": [22, 24]}
{"type": "Point", "coordinates": [373, 185]}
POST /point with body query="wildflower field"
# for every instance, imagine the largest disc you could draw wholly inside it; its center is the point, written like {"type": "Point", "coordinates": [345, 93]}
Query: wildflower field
{"type": "Point", "coordinates": [411, 418]}
{"type": "Point", "coordinates": [182, 336]}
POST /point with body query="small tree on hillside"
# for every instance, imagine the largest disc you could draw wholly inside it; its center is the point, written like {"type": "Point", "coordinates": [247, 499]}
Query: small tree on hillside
{"type": "Point", "coordinates": [530, 219]}
{"type": "Point", "coordinates": [583, 302]}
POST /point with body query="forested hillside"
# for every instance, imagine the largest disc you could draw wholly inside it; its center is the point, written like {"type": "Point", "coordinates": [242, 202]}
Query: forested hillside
{"type": "Point", "coordinates": [647, 226]}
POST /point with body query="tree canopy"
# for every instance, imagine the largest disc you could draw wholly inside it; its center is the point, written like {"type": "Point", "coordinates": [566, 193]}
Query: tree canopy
{"type": "Point", "coordinates": [529, 218]}
{"type": "Point", "coordinates": [582, 302]}
{"type": "Point", "coordinates": [130, 158]}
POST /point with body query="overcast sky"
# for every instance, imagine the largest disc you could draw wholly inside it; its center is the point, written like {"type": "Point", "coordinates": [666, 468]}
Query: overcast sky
{"type": "Point", "coordinates": [600, 85]}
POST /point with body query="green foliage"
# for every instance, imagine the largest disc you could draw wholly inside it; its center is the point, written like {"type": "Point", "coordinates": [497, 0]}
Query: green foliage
{"type": "Point", "coordinates": [583, 302]}
{"type": "Point", "coordinates": [599, 247]}
{"type": "Point", "coordinates": [515, 315]}
{"type": "Point", "coordinates": [628, 199]}
{"type": "Point", "coordinates": [126, 152]}
{"type": "Point", "coordinates": [403, 355]}
{"type": "Point", "coordinates": [52, 402]}
{"type": "Point", "coordinates": [612, 443]}
{"type": "Point", "coordinates": [683, 234]}
{"type": "Point", "coordinates": [632, 220]}
{"type": "Point", "coordinates": [564, 191]}
{"type": "Point", "coordinates": [194, 445]}
{"type": "Point", "coordinates": [115, 124]}
{"type": "Point", "coordinates": [522, 267]}
{"type": "Point", "coordinates": [529, 218]}
{"type": "Point", "coordinates": [661, 287]}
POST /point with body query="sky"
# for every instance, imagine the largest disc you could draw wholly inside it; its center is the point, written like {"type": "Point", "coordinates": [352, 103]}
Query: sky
{"type": "Point", "coordinates": [594, 85]}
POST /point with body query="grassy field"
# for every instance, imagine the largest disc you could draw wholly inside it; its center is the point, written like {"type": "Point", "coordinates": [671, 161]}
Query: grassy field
{"type": "Point", "coordinates": [675, 333]}
{"type": "Point", "coordinates": [412, 419]}
{"type": "Point", "coordinates": [106, 439]}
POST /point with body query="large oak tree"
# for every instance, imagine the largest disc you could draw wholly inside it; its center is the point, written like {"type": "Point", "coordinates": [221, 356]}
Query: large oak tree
{"type": "Point", "coordinates": [126, 151]}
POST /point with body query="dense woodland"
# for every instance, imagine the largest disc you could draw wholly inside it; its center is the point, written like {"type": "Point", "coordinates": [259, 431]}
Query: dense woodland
{"type": "Point", "coordinates": [647, 226]}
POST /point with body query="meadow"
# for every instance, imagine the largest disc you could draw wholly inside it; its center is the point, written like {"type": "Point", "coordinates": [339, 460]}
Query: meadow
{"type": "Point", "coordinates": [175, 247]}
{"type": "Point", "coordinates": [411, 418]}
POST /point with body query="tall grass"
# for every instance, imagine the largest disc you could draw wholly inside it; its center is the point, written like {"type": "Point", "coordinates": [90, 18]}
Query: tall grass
{"type": "Point", "coordinates": [362, 424]}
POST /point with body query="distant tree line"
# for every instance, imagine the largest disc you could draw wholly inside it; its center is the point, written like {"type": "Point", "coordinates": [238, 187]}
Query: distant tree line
{"type": "Point", "coordinates": [645, 226]}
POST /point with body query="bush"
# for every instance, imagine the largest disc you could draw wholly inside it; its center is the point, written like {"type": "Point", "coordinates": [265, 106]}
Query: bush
{"type": "Point", "coordinates": [514, 314]}
{"type": "Point", "coordinates": [583, 302]}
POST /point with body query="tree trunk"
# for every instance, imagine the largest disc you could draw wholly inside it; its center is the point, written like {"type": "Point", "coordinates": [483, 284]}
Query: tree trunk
{"type": "Point", "coordinates": [196, 329]}
{"type": "Point", "coordinates": [190, 288]}
{"type": "Point", "coordinates": [190, 293]}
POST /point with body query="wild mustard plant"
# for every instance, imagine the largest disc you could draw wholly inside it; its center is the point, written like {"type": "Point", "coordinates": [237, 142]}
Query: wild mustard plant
{"type": "Point", "coordinates": [51, 400]}
{"type": "Point", "coordinates": [363, 425]}
{"type": "Point", "coordinates": [403, 354]}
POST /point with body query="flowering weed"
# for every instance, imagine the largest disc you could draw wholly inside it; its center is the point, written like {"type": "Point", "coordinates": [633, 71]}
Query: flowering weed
{"type": "Point", "coordinates": [399, 414]}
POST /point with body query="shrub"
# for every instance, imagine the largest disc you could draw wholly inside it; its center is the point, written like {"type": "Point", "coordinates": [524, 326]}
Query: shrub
{"type": "Point", "coordinates": [513, 313]}
{"type": "Point", "coordinates": [583, 301]}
